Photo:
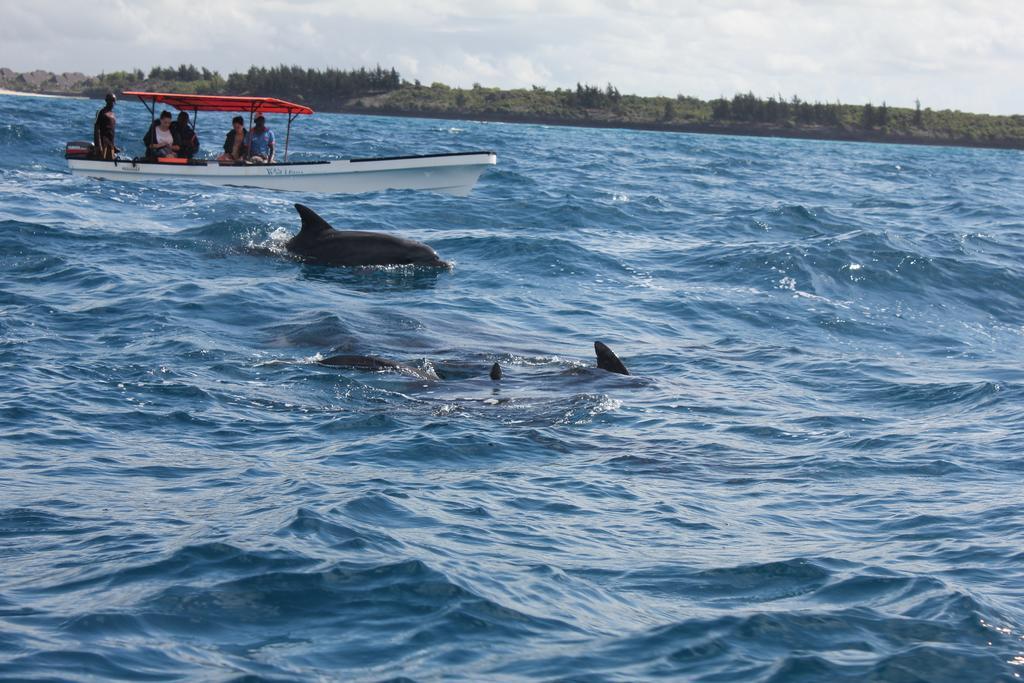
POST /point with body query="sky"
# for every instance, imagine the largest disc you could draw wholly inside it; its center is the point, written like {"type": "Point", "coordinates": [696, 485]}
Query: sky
{"type": "Point", "coordinates": [965, 54]}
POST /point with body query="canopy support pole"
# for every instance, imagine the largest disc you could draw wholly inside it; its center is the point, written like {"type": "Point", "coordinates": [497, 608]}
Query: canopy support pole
{"type": "Point", "coordinates": [252, 110]}
{"type": "Point", "coordinates": [288, 135]}
{"type": "Point", "coordinates": [150, 107]}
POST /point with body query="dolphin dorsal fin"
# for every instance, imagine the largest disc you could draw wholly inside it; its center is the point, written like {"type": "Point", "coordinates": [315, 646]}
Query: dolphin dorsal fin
{"type": "Point", "coordinates": [312, 224]}
{"type": "Point", "coordinates": [607, 360]}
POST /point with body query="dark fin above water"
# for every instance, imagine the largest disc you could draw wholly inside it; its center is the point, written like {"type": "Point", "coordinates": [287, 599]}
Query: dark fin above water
{"type": "Point", "coordinates": [312, 224]}
{"type": "Point", "coordinates": [607, 360]}
{"type": "Point", "coordinates": [495, 372]}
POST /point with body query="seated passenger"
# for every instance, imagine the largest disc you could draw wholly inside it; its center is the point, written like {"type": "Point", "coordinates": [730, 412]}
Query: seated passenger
{"type": "Point", "coordinates": [260, 143]}
{"type": "Point", "coordinates": [234, 141]}
{"type": "Point", "coordinates": [159, 140]}
{"type": "Point", "coordinates": [184, 137]}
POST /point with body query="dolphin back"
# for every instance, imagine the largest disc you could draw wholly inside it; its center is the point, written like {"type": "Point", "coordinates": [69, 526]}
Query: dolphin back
{"type": "Point", "coordinates": [318, 242]}
{"type": "Point", "coordinates": [375, 364]}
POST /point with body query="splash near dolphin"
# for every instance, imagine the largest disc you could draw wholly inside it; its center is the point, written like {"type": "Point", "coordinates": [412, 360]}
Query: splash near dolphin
{"type": "Point", "coordinates": [319, 243]}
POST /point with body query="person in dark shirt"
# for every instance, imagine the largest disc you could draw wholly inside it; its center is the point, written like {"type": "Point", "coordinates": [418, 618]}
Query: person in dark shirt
{"type": "Point", "coordinates": [184, 137]}
{"type": "Point", "coordinates": [234, 142]}
{"type": "Point", "coordinates": [103, 130]}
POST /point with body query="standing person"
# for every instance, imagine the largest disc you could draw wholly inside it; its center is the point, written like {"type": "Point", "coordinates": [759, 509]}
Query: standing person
{"type": "Point", "coordinates": [103, 130]}
{"type": "Point", "coordinates": [260, 142]}
{"type": "Point", "coordinates": [159, 140]}
{"type": "Point", "coordinates": [234, 141]}
{"type": "Point", "coordinates": [184, 136]}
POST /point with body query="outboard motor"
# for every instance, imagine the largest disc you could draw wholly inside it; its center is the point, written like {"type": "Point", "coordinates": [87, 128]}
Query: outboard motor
{"type": "Point", "coordinates": [79, 149]}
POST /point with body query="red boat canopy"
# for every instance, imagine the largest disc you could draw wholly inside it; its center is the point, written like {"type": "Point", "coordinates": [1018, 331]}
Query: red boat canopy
{"type": "Point", "coordinates": [255, 105]}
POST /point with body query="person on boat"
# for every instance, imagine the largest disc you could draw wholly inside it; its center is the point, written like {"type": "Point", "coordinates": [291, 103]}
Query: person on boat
{"type": "Point", "coordinates": [103, 130]}
{"type": "Point", "coordinates": [159, 140]}
{"type": "Point", "coordinates": [234, 141]}
{"type": "Point", "coordinates": [184, 137]}
{"type": "Point", "coordinates": [260, 143]}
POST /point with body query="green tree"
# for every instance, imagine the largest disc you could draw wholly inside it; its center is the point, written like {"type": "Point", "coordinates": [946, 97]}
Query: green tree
{"type": "Point", "coordinates": [670, 111]}
{"type": "Point", "coordinates": [868, 118]}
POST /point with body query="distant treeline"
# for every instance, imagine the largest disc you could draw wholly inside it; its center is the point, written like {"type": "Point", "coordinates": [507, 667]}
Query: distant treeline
{"type": "Point", "coordinates": [381, 90]}
{"type": "Point", "coordinates": [752, 109]}
{"type": "Point", "coordinates": [756, 110]}
{"type": "Point", "coordinates": [337, 88]}
{"type": "Point", "coordinates": [743, 113]}
{"type": "Point", "coordinates": [318, 88]}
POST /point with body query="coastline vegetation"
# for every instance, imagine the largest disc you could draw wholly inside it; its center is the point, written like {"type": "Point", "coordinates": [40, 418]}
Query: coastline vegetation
{"type": "Point", "coordinates": [384, 91]}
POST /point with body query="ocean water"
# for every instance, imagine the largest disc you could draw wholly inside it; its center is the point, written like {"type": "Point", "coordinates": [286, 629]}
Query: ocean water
{"type": "Point", "coordinates": [812, 474]}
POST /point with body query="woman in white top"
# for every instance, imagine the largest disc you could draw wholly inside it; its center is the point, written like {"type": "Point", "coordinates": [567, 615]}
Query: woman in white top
{"type": "Point", "coordinates": [160, 140]}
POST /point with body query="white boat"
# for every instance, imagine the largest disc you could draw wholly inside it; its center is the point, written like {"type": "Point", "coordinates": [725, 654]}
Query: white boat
{"type": "Point", "coordinates": [453, 173]}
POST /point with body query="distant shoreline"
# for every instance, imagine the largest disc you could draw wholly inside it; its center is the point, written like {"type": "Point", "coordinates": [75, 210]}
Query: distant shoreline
{"type": "Point", "coordinates": [737, 130]}
{"type": "Point", "coordinates": [383, 92]}
{"type": "Point", "coordinates": [22, 93]}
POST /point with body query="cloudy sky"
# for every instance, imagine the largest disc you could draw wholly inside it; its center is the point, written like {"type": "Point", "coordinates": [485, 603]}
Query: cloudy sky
{"type": "Point", "coordinates": [951, 54]}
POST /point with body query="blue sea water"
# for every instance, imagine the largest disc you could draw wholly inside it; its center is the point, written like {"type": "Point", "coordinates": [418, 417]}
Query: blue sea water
{"type": "Point", "coordinates": [813, 473]}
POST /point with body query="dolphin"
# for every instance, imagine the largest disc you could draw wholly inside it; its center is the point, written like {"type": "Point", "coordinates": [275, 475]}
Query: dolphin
{"type": "Point", "coordinates": [606, 360]}
{"type": "Point", "coordinates": [319, 243]}
{"type": "Point", "coordinates": [377, 364]}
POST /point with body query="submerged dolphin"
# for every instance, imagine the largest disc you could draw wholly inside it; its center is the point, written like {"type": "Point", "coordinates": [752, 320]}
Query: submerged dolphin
{"type": "Point", "coordinates": [606, 360]}
{"type": "Point", "coordinates": [375, 363]}
{"type": "Point", "coordinates": [317, 242]}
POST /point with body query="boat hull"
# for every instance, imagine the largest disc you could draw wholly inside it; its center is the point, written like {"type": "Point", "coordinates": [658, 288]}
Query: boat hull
{"type": "Point", "coordinates": [448, 173]}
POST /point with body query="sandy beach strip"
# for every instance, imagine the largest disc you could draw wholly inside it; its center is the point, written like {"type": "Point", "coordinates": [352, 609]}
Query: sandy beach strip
{"type": "Point", "coordinates": [19, 93]}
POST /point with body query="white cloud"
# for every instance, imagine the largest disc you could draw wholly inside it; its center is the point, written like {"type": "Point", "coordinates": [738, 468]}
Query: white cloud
{"type": "Point", "coordinates": [949, 53]}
